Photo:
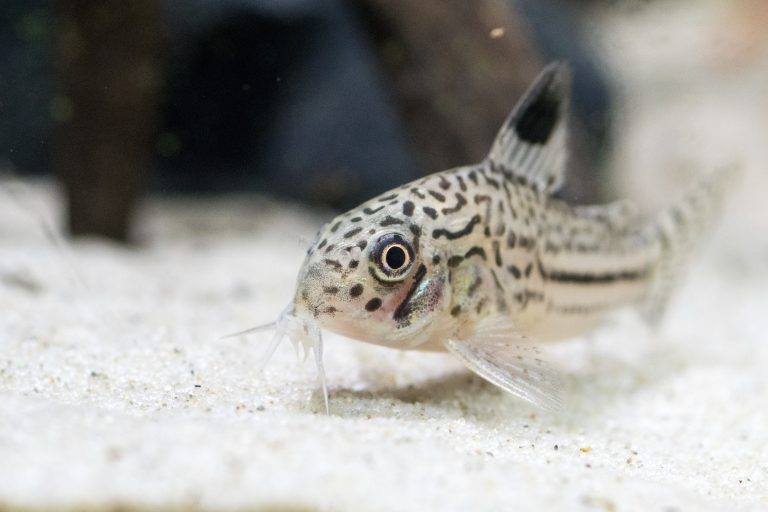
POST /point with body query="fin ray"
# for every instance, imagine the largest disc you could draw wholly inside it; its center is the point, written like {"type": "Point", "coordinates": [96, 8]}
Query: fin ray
{"type": "Point", "coordinates": [680, 230]}
{"type": "Point", "coordinates": [510, 361]}
{"type": "Point", "coordinates": [532, 141]}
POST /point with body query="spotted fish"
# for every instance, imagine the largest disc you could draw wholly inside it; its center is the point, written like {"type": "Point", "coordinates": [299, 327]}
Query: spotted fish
{"type": "Point", "coordinates": [483, 262]}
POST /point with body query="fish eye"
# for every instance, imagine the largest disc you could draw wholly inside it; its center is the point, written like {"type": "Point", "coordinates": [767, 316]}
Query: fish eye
{"type": "Point", "coordinates": [393, 256]}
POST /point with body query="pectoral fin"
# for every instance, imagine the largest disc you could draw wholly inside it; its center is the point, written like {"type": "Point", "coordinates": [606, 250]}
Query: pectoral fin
{"type": "Point", "coordinates": [511, 362]}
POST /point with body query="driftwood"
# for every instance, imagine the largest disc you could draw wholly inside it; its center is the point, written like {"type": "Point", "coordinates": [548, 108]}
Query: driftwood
{"type": "Point", "coordinates": [105, 107]}
{"type": "Point", "coordinates": [456, 68]}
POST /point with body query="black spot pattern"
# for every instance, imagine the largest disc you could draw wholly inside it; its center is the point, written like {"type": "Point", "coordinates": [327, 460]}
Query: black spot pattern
{"type": "Point", "coordinates": [352, 232]}
{"type": "Point", "coordinates": [356, 290]}
{"type": "Point", "coordinates": [373, 304]}
{"type": "Point", "coordinates": [333, 263]}
{"type": "Point", "coordinates": [497, 253]}
{"type": "Point", "coordinates": [415, 191]}
{"type": "Point", "coordinates": [390, 221]}
{"type": "Point", "coordinates": [460, 203]}
{"type": "Point", "coordinates": [437, 195]}
{"type": "Point", "coordinates": [453, 235]}
{"type": "Point", "coordinates": [475, 251]}
{"type": "Point", "coordinates": [474, 286]}
{"type": "Point", "coordinates": [371, 211]}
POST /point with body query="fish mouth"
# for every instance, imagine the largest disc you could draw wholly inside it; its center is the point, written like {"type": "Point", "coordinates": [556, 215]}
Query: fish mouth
{"type": "Point", "coordinates": [301, 331]}
{"type": "Point", "coordinates": [305, 336]}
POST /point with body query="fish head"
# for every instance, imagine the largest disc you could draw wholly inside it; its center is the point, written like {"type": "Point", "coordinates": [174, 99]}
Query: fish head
{"type": "Point", "coordinates": [371, 275]}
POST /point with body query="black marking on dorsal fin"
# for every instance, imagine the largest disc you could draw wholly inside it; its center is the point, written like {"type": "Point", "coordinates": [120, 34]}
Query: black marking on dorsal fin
{"type": "Point", "coordinates": [531, 145]}
{"type": "Point", "coordinates": [538, 119]}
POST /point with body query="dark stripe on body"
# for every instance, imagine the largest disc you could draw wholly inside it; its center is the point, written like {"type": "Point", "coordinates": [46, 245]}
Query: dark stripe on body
{"type": "Point", "coordinates": [579, 309]}
{"type": "Point", "coordinates": [526, 296]}
{"type": "Point", "coordinates": [607, 278]}
{"type": "Point", "coordinates": [352, 232]}
{"type": "Point", "coordinates": [453, 235]}
{"type": "Point", "coordinates": [404, 308]}
{"type": "Point", "coordinates": [332, 263]}
{"type": "Point", "coordinates": [528, 270]}
{"type": "Point", "coordinates": [460, 202]}
{"type": "Point", "coordinates": [474, 286]}
{"type": "Point", "coordinates": [437, 195]}
{"type": "Point", "coordinates": [390, 221]}
{"type": "Point", "coordinates": [475, 251]}
{"type": "Point", "coordinates": [371, 211]}
{"type": "Point", "coordinates": [455, 261]}
{"type": "Point", "coordinates": [492, 182]}
{"type": "Point", "coordinates": [415, 191]}
{"type": "Point", "coordinates": [501, 302]}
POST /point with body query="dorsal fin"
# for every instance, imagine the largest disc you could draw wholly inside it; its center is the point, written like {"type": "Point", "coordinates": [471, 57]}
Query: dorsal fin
{"type": "Point", "coordinates": [532, 141]}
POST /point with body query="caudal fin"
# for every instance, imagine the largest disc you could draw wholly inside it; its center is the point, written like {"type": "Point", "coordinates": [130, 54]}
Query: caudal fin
{"type": "Point", "coordinates": [680, 229]}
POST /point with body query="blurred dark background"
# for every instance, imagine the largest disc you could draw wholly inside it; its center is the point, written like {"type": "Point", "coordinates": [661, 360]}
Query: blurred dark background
{"type": "Point", "coordinates": [325, 101]}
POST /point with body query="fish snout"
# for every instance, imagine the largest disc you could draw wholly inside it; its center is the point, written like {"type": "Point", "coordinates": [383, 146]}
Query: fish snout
{"type": "Point", "coordinates": [316, 297]}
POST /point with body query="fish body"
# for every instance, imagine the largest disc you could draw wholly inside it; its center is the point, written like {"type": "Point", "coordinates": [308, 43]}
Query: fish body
{"type": "Point", "coordinates": [481, 246]}
{"type": "Point", "coordinates": [484, 262]}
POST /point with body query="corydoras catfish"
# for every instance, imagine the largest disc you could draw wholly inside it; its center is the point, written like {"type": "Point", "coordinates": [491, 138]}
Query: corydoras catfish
{"type": "Point", "coordinates": [484, 262]}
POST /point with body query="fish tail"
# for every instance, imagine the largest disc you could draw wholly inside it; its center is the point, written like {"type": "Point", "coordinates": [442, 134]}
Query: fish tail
{"type": "Point", "coordinates": [679, 230]}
